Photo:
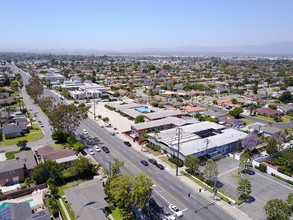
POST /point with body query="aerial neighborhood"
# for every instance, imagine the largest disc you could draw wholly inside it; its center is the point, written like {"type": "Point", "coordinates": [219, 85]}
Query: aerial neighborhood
{"type": "Point", "coordinates": [144, 137]}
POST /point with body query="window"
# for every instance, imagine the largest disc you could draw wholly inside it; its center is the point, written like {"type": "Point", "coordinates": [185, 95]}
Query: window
{"type": "Point", "coordinates": [12, 171]}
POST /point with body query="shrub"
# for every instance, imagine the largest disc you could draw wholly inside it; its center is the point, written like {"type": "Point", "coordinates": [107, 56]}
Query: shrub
{"type": "Point", "coordinates": [174, 160]}
{"type": "Point", "coordinates": [284, 170]}
{"type": "Point", "coordinates": [262, 167]}
{"type": "Point", "coordinates": [285, 180]}
{"type": "Point", "coordinates": [55, 213]}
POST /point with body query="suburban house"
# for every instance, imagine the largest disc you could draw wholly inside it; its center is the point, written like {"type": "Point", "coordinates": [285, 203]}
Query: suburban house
{"type": "Point", "coordinates": [230, 121]}
{"type": "Point", "coordinates": [11, 172]}
{"type": "Point", "coordinates": [7, 101]}
{"type": "Point", "coordinates": [268, 112]}
{"type": "Point", "coordinates": [28, 158]}
{"type": "Point", "coordinates": [12, 131]}
{"type": "Point", "coordinates": [88, 200]}
{"type": "Point", "coordinates": [60, 156]}
{"type": "Point", "coordinates": [22, 211]}
{"type": "Point", "coordinates": [285, 109]}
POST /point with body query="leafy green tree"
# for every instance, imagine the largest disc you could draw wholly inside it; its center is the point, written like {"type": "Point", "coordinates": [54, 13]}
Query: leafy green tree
{"type": "Point", "coordinates": [49, 169]}
{"type": "Point", "coordinates": [52, 186]}
{"type": "Point", "coordinates": [83, 168]}
{"type": "Point", "coordinates": [106, 120]}
{"type": "Point", "coordinates": [71, 140]}
{"type": "Point", "coordinates": [192, 163]}
{"type": "Point", "coordinates": [114, 169]}
{"type": "Point", "coordinates": [60, 136]}
{"type": "Point", "coordinates": [277, 209]}
{"type": "Point", "coordinates": [139, 119]}
{"type": "Point", "coordinates": [211, 172]}
{"type": "Point", "coordinates": [272, 147]}
{"type": "Point", "coordinates": [290, 201]}
{"type": "Point", "coordinates": [78, 147]}
{"type": "Point", "coordinates": [46, 104]}
{"type": "Point", "coordinates": [236, 112]}
{"type": "Point", "coordinates": [141, 190]}
{"type": "Point", "coordinates": [22, 144]}
{"type": "Point", "coordinates": [67, 117]}
{"type": "Point", "coordinates": [244, 188]}
{"type": "Point", "coordinates": [35, 88]}
{"type": "Point", "coordinates": [245, 162]}
{"type": "Point", "coordinates": [286, 97]}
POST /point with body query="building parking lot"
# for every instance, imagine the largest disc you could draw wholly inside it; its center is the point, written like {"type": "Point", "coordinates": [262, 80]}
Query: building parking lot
{"type": "Point", "coordinates": [264, 187]}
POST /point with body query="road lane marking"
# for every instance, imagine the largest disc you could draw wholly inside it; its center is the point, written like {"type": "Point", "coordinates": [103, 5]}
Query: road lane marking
{"type": "Point", "coordinates": [161, 196]}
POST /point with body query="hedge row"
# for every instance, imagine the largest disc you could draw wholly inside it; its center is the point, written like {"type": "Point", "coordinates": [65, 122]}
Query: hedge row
{"type": "Point", "coordinates": [174, 160]}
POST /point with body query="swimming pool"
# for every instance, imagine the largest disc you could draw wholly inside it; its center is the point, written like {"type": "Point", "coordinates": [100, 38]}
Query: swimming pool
{"type": "Point", "coordinates": [143, 109]}
{"type": "Point", "coordinates": [30, 201]}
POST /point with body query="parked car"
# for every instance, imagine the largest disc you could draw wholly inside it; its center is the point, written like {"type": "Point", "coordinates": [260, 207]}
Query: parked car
{"type": "Point", "coordinates": [105, 149]}
{"type": "Point", "coordinates": [84, 131]}
{"type": "Point", "coordinates": [153, 161]}
{"type": "Point", "coordinates": [152, 202]}
{"type": "Point", "coordinates": [112, 133]}
{"type": "Point", "coordinates": [160, 166]}
{"type": "Point", "coordinates": [91, 152]}
{"type": "Point", "coordinates": [127, 143]}
{"type": "Point", "coordinates": [169, 216]}
{"type": "Point", "coordinates": [144, 162]}
{"type": "Point", "coordinates": [176, 210]}
{"type": "Point", "coordinates": [97, 148]}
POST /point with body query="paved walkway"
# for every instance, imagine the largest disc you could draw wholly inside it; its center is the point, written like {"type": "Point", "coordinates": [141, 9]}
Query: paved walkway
{"type": "Point", "coordinates": [123, 124]}
{"type": "Point", "coordinates": [64, 208]}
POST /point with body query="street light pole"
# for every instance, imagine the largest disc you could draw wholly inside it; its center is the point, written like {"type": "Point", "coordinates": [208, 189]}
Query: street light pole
{"type": "Point", "coordinates": [94, 106]}
{"type": "Point", "coordinates": [178, 132]}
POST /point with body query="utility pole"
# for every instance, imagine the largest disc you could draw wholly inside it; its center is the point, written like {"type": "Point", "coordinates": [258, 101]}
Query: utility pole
{"type": "Point", "coordinates": [178, 132]}
{"type": "Point", "coordinates": [94, 106]}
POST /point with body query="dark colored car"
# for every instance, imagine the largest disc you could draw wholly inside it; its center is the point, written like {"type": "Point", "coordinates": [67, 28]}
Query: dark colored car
{"type": "Point", "coordinates": [144, 162]}
{"type": "Point", "coordinates": [160, 166]}
{"type": "Point", "coordinates": [153, 161]}
{"type": "Point", "coordinates": [127, 143]}
{"type": "Point", "coordinates": [152, 201]}
{"type": "Point", "coordinates": [105, 149]}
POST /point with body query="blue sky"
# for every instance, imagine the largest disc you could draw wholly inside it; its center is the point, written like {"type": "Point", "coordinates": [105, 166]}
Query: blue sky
{"type": "Point", "coordinates": [133, 24]}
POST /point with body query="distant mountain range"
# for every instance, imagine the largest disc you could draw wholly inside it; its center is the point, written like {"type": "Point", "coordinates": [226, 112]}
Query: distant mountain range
{"type": "Point", "coordinates": [281, 48]}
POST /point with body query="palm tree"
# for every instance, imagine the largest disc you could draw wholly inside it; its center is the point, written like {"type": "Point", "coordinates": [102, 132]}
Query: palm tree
{"type": "Point", "coordinates": [142, 137]}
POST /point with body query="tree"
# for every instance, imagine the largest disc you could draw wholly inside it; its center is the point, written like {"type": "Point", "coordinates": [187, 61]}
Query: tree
{"type": "Point", "coordinates": [286, 97]}
{"type": "Point", "coordinates": [49, 169]}
{"type": "Point", "coordinates": [46, 104]}
{"type": "Point", "coordinates": [105, 120]}
{"type": "Point", "coordinates": [114, 169]}
{"type": "Point", "coordinates": [251, 108]}
{"type": "Point", "coordinates": [60, 136]}
{"type": "Point", "coordinates": [211, 172]}
{"type": "Point", "coordinates": [35, 88]}
{"type": "Point", "coordinates": [244, 188]}
{"type": "Point", "coordinates": [236, 112]}
{"type": "Point", "coordinates": [245, 162]}
{"type": "Point", "coordinates": [254, 88]}
{"type": "Point", "coordinates": [52, 186]}
{"type": "Point", "coordinates": [67, 117]}
{"type": "Point", "coordinates": [21, 144]}
{"type": "Point", "coordinates": [192, 163]}
{"type": "Point", "coordinates": [83, 168]}
{"type": "Point", "coordinates": [78, 147]}
{"type": "Point", "coordinates": [139, 119]}
{"type": "Point", "coordinates": [272, 147]}
{"type": "Point", "coordinates": [277, 209]}
{"type": "Point", "coordinates": [290, 201]}
{"type": "Point", "coordinates": [100, 117]}
{"type": "Point", "coordinates": [142, 137]}
{"type": "Point", "coordinates": [141, 190]}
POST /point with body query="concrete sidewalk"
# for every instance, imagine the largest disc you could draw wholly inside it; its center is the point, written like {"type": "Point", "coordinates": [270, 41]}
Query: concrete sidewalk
{"type": "Point", "coordinates": [116, 122]}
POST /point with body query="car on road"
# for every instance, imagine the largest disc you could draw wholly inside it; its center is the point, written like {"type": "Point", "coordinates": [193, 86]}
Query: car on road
{"type": "Point", "coordinates": [127, 143]}
{"type": "Point", "coordinates": [152, 201]}
{"type": "Point", "coordinates": [160, 166]}
{"type": "Point", "coordinates": [97, 148]}
{"type": "Point", "coordinates": [84, 131]}
{"type": "Point", "coordinates": [176, 210]}
{"type": "Point", "coordinates": [112, 133]}
{"type": "Point", "coordinates": [105, 149]}
{"type": "Point", "coordinates": [91, 152]}
{"type": "Point", "coordinates": [144, 162]}
{"type": "Point", "coordinates": [153, 161]}
{"type": "Point", "coordinates": [169, 216]}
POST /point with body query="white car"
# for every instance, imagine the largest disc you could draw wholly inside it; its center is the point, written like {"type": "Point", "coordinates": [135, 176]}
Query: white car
{"type": "Point", "coordinates": [168, 216]}
{"type": "Point", "coordinates": [176, 210]}
{"type": "Point", "coordinates": [84, 131]}
{"type": "Point", "coordinates": [97, 148]}
{"type": "Point", "coordinates": [91, 152]}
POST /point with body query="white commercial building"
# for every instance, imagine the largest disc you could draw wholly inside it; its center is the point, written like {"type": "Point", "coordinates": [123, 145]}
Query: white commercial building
{"type": "Point", "coordinates": [204, 139]}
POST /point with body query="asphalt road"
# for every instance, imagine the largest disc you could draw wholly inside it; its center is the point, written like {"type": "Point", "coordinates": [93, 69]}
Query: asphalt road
{"type": "Point", "coordinates": [168, 188]}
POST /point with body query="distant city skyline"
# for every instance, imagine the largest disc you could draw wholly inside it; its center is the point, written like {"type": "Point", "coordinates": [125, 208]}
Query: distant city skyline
{"type": "Point", "coordinates": [131, 24]}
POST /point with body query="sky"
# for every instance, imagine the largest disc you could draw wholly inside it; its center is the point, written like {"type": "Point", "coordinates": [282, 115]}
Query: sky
{"type": "Point", "coordinates": [136, 24]}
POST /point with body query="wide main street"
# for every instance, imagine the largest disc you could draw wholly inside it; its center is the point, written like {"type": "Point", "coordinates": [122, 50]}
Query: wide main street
{"type": "Point", "coordinates": [167, 188]}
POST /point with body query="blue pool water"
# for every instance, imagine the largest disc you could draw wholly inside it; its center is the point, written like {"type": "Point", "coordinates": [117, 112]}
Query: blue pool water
{"type": "Point", "coordinates": [30, 201]}
{"type": "Point", "coordinates": [143, 109]}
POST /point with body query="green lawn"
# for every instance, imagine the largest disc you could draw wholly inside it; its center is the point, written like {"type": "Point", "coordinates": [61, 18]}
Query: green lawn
{"type": "Point", "coordinates": [116, 215]}
{"type": "Point", "coordinates": [247, 121]}
{"type": "Point", "coordinates": [155, 153]}
{"type": "Point", "coordinates": [266, 118]}
{"type": "Point", "coordinates": [165, 159]}
{"type": "Point", "coordinates": [33, 136]}
{"type": "Point", "coordinates": [69, 210]}
{"type": "Point", "coordinates": [11, 154]}
{"type": "Point", "coordinates": [61, 210]}
{"type": "Point", "coordinates": [287, 118]}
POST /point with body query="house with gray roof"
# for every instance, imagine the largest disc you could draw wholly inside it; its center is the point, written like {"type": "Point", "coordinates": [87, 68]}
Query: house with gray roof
{"type": "Point", "coordinates": [285, 109]}
{"type": "Point", "coordinates": [11, 172]}
{"type": "Point", "coordinates": [87, 200]}
{"type": "Point", "coordinates": [12, 131]}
